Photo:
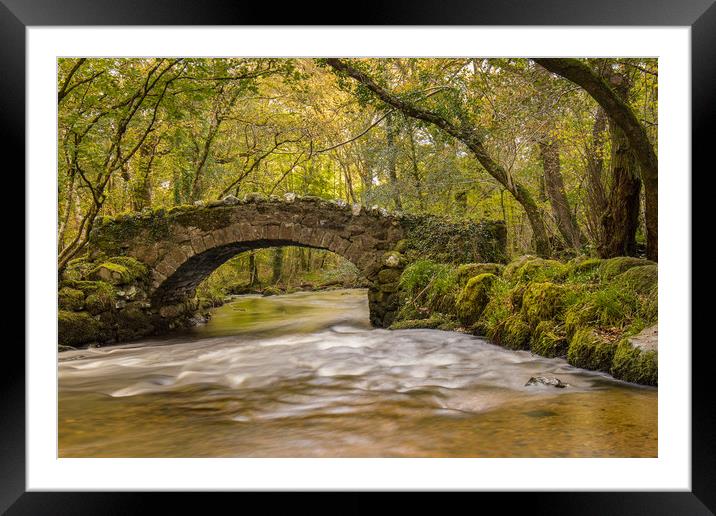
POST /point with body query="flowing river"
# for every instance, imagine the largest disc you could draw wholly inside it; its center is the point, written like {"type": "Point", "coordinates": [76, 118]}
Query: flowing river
{"type": "Point", "coordinates": [304, 375]}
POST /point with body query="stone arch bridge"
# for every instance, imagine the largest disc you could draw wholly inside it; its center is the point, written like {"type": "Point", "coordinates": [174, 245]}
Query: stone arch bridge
{"type": "Point", "coordinates": [183, 245]}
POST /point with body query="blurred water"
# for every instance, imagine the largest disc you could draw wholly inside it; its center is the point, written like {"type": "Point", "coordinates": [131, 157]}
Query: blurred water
{"type": "Point", "coordinates": [305, 375]}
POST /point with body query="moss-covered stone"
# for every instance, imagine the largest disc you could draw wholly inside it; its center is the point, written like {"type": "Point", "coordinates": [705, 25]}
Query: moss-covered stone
{"type": "Point", "coordinates": [101, 300]}
{"type": "Point", "coordinates": [589, 350]}
{"type": "Point", "coordinates": [119, 270]}
{"type": "Point", "coordinates": [633, 364]}
{"type": "Point", "coordinates": [542, 301]}
{"type": "Point", "coordinates": [469, 270]}
{"type": "Point", "coordinates": [133, 323]}
{"type": "Point", "coordinates": [271, 291]}
{"type": "Point", "coordinates": [548, 340]}
{"type": "Point", "coordinates": [512, 333]}
{"type": "Point", "coordinates": [583, 268]}
{"type": "Point", "coordinates": [515, 264]}
{"type": "Point", "coordinates": [435, 321]}
{"type": "Point", "coordinates": [614, 266]}
{"type": "Point", "coordinates": [540, 269]}
{"type": "Point", "coordinates": [606, 307]}
{"type": "Point", "coordinates": [389, 275]}
{"type": "Point", "coordinates": [77, 328]}
{"type": "Point", "coordinates": [473, 298]}
{"type": "Point", "coordinates": [641, 279]}
{"type": "Point", "coordinates": [70, 299]}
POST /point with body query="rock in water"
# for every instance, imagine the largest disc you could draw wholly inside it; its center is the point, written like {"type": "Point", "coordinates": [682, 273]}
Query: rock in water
{"type": "Point", "coordinates": [544, 380]}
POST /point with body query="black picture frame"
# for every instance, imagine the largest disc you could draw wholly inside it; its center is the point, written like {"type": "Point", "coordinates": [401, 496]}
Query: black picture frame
{"type": "Point", "coordinates": [700, 15]}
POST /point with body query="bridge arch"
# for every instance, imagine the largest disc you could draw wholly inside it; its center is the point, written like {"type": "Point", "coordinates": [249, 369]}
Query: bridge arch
{"type": "Point", "coordinates": [183, 245]}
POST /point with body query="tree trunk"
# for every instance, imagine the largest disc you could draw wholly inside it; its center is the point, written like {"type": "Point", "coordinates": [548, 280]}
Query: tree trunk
{"type": "Point", "coordinates": [554, 186]}
{"type": "Point", "coordinates": [253, 270]}
{"type": "Point", "coordinates": [392, 156]}
{"type": "Point", "coordinates": [622, 115]}
{"type": "Point", "coordinates": [596, 195]}
{"type": "Point", "coordinates": [277, 265]}
{"type": "Point", "coordinates": [621, 219]}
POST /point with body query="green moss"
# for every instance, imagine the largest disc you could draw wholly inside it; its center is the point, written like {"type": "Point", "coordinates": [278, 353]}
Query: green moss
{"type": "Point", "coordinates": [535, 269]}
{"type": "Point", "coordinates": [542, 301]}
{"type": "Point", "coordinates": [77, 269]}
{"type": "Point", "coordinates": [99, 295]}
{"type": "Point", "coordinates": [589, 350]}
{"type": "Point", "coordinates": [120, 270]}
{"type": "Point", "coordinates": [514, 333]}
{"type": "Point", "coordinates": [132, 323]}
{"type": "Point", "coordinates": [632, 364]}
{"type": "Point", "coordinates": [435, 321]}
{"type": "Point", "coordinates": [469, 270]}
{"type": "Point", "coordinates": [498, 309]}
{"type": "Point", "coordinates": [429, 284]}
{"type": "Point", "coordinates": [614, 266]}
{"type": "Point", "coordinates": [515, 264]}
{"type": "Point", "coordinates": [70, 299]}
{"type": "Point", "coordinates": [549, 340]}
{"type": "Point", "coordinates": [608, 307]}
{"type": "Point", "coordinates": [472, 300]}
{"type": "Point", "coordinates": [583, 269]}
{"type": "Point", "coordinates": [76, 328]}
{"type": "Point", "coordinates": [641, 279]}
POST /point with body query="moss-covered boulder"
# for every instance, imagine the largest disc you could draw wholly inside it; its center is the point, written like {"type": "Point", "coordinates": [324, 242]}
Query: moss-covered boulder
{"type": "Point", "coordinates": [515, 264]}
{"type": "Point", "coordinates": [590, 350]}
{"type": "Point", "coordinates": [473, 298]}
{"type": "Point", "coordinates": [542, 301]}
{"type": "Point", "coordinates": [103, 298]}
{"type": "Point", "coordinates": [132, 323]}
{"type": "Point", "coordinates": [641, 279]}
{"type": "Point", "coordinates": [119, 270]}
{"type": "Point", "coordinates": [614, 266]}
{"type": "Point", "coordinates": [512, 333]}
{"type": "Point", "coordinates": [70, 299]}
{"type": "Point", "coordinates": [549, 340]}
{"type": "Point", "coordinates": [537, 269]}
{"type": "Point", "coordinates": [77, 328]}
{"type": "Point", "coordinates": [606, 307]}
{"type": "Point", "coordinates": [469, 270]}
{"type": "Point", "coordinates": [583, 268]}
{"type": "Point", "coordinates": [633, 364]}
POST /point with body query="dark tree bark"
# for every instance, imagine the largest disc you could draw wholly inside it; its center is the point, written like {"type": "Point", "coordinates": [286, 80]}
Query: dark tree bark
{"type": "Point", "coordinates": [554, 186]}
{"type": "Point", "coordinates": [470, 137]}
{"type": "Point", "coordinates": [621, 219]}
{"type": "Point", "coordinates": [622, 115]}
{"type": "Point", "coordinates": [253, 270]}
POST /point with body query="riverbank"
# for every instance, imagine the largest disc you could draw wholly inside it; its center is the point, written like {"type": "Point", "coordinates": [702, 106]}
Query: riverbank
{"type": "Point", "coordinates": [598, 314]}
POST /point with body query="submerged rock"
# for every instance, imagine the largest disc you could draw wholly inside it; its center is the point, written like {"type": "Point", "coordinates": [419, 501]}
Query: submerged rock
{"type": "Point", "coordinates": [547, 380]}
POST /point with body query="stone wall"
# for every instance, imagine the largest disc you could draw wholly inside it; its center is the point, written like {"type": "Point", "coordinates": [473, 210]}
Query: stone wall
{"type": "Point", "coordinates": [181, 246]}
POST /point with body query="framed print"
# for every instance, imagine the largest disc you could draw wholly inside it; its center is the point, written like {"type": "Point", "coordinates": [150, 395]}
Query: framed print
{"type": "Point", "coordinates": [422, 250]}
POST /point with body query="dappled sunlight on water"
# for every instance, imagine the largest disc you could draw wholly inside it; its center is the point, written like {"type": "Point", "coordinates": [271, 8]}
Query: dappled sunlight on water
{"type": "Point", "coordinates": [305, 375]}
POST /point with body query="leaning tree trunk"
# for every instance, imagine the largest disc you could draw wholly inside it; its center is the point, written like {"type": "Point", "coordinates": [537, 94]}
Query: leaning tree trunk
{"type": "Point", "coordinates": [471, 137]}
{"type": "Point", "coordinates": [622, 115]}
{"type": "Point", "coordinates": [554, 186]}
